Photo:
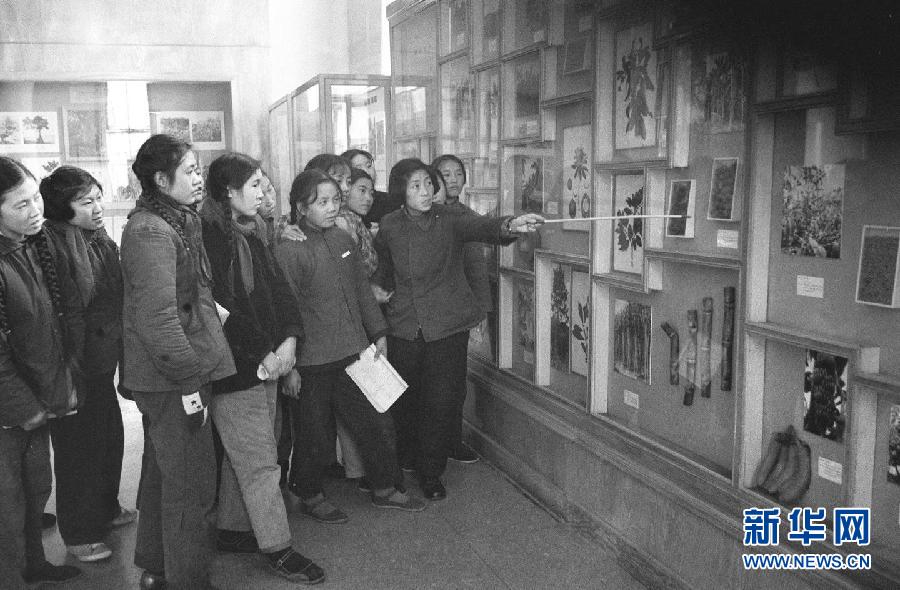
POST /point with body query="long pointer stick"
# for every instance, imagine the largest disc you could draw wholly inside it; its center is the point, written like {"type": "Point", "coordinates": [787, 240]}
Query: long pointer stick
{"type": "Point", "coordinates": [614, 217]}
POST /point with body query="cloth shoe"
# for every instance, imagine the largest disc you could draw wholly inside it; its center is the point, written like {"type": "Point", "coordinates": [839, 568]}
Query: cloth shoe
{"type": "Point", "coordinates": [323, 510]}
{"type": "Point", "coordinates": [124, 517]}
{"type": "Point", "coordinates": [290, 564]}
{"type": "Point", "coordinates": [433, 489]}
{"type": "Point", "coordinates": [464, 454]}
{"type": "Point", "coordinates": [47, 572]}
{"type": "Point", "coordinates": [236, 541]}
{"type": "Point", "coordinates": [89, 552]}
{"type": "Point", "coordinates": [151, 581]}
{"type": "Point", "coordinates": [399, 501]}
{"type": "Point", "coordinates": [363, 485]}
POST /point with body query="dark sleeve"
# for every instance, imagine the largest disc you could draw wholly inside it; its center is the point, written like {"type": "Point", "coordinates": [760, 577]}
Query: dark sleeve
{"type": "Point", "coordinates": [245, 337]}
{"type": "Point", "coordinates": [18, 404]}
{"type": "Point", "coordinates": [471, 227]}
{"type": "Point", "coordinates": [384, 273]}
{"type": "Point", "coordinates": [289, 261]}
{"type": "Point", "coordinates": [287, 308]}
{"type": "Point", "coordinates": [475, 267]}
{"type": "Point", "coordinates": [72, 310]}
{"type": "Point", "coordinates": [369, 310]}
{"type": "Point", "coordinates": [149, 258]}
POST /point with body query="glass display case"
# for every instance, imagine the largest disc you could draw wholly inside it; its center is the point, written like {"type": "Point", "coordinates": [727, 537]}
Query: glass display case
{"type": "Point", "coordinates": [334, 112]}
{"type": "Point", "coordinates": [521, 91]}
{"type": "Point", "coordinates": [457, 108]}
{"type": "Point", "coordinates": [454, 26]}
{"type": "Point", "coordinates": [413, 73]}
{"type": "Point", "coordinates": [485, 30]}
{"type": "Point", "coordinates": [280, 168]}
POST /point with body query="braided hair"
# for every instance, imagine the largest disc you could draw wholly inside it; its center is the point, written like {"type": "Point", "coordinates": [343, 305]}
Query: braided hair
{"type": "Point", "coordinates": [229, 171]}
{"type": "Point", "coordinates": [12, 175]}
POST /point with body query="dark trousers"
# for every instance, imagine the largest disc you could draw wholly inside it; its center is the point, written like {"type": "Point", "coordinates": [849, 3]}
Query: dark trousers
{"type": "Point", "coordinates": [87, 460]}
{"type": "Point", "coordinates": [428, 415]}
{"type": "Point", "coordinates": [332, 393]}
{"type": "Point", "coordinates": [284, 432]}
{"type": "Point", "coordinates": [175, 533]}
{"type": "Point", "coordinates": [456, 442]}
{"type": "Point", "coordinates": [25, 484]}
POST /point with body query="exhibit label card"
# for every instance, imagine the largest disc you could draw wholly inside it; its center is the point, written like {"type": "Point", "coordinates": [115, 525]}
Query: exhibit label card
{"type": "Point", "coordinates": [727, 238]}
{"type": "Point", "coordinates": [810, 286]}
{"type": "Point", "coordinates": [830, 470]}
{"type": "Point", "coordinates": [632, 399]}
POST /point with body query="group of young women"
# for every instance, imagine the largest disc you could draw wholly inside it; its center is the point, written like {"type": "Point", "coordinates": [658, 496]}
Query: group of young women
{"type": "Point", "coordinates": [211, 312]}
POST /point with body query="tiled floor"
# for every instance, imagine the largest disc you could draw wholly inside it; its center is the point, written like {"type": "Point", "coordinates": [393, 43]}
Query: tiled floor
{"type": "Point", "coordinates": [485, 535]}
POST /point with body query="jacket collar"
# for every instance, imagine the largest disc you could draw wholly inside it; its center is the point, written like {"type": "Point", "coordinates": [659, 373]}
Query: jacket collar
{"type": "Point", "coordinates": [8, 245]}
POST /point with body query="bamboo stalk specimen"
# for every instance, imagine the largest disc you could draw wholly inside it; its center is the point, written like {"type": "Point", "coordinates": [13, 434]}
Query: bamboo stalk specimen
{"type": "Point", "coordinates": [690, 358]}
{"type": "Point", "coordinates": [727, 338]}
{"type": "Point", "coordinates": [705, 377]}
{"type": "Point", "coordinates": [674, 351]}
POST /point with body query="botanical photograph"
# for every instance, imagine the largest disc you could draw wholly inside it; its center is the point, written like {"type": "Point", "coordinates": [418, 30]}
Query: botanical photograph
{"type": "Point", "coordinates": [893, 470]}
{"type": "Point", "coordinates": [719, 99]}
{"type": "Point", "coordinates": [530, 185]}
{"type": "Point", "coordinates": [580, 344]}
{"type": "Point", "coordinates": [635, 88]}
{"type": "Point", "coordinates": [628, 236]}
{"type": "Point", "coordinates": [576, 193]}
{"type": "Point", "coordinates": [813, 200]}
{"type": "Point", "coordinates": [177, 127]}
{"type": "Point", "coordinates": [85, 134]}
{"type": "Point", "coordinates": [524, 332]}
{"type": "Point", "coordinates": [825, 395]}
{"type": "Point", "coordinates": [208, 130]}
{"type": "Point", "coordinates": [560, 320]}
{"type": "Point", "coordinates": [878, 266]}
{"type": "Point", "coordinates": [631, 339]}
{"type": "Point", "coordinates": [681, 202]}
{"type": "Point", "coordinates": [722, 186]}
{"type": "Point", "coordinates": [527, 98]}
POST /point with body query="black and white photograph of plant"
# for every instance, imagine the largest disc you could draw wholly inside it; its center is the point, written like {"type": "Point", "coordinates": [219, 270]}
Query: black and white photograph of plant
{"type": "Point", "coordinates": [681, 202]}
{"type": "Point", "coordinates": [893, 470]}
{"type": "Point", "coordinates": [628, 247]}
{"type": "Point", "coordinates": [879, 266]}
{"type": "Point", "coordinates": [635, 88]}
{"type": "Point", "coordinates": [560, 321]}
{"type": "Point", "coordinates": [717, 86]}
{"type": "Point", "coordinates": [722, 186]}
{"type": "Point", "coordinates": [813, 199]}
{"type": "Point", "coordinates": [825, 395]}
{"type": "Point", "coordinates": [631, 339]}
{"type": "Point", "coordinates": [581, 323]}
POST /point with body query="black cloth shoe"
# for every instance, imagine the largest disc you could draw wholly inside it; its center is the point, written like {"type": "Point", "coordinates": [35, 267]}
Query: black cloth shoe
{"type": "Point", "coordinates": [363, 485]}
{"type": "Point", "coordinates": [151, 581]}
{"type": "Point", "coordinates": [47, 572]}
{"type": "Point", "coordinates": [48, 521]}
{"type": "Point", "coordinates": [464, 455]}
{"type": "Point", "coordinates": [433, 489]}
{"type": "Point", "coordinates": [285, 468]}
{"type": "Point", "coordinates": [236, 541]}
{"type": "Point", "coordinates": [289, 564]}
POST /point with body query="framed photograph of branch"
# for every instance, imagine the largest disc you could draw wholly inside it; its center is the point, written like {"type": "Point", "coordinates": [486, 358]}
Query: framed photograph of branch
{"type": "Point", "coordinates": [628, 234]}
{"type": "Point", "coordinates": [879, 267]}
{"type": "Point", "coordinates": [681, 202]}
{"type": "Point", "coordinates": [85, 134]}
{"type": "Point", "coordinates": [722, 187]}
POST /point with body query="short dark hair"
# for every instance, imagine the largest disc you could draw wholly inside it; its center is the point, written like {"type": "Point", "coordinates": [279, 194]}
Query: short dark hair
{"type": "Point", "coordinates": [229, 170]}
{"type": "Point", "coordinates": [437, 181]}
{"type": "Point", "coordinates": [449, 158]}
{"type": "Point", "coordinates": [65, 185]}
{"type": "Point", "coordinates": [400, 174]}
{"type": "Point", "coordinates": [326, 162]}
{"type": "Point", "coordinates": [350, 154]}
{"type": "Point", "coordinates": [304, 189]}
{"type": "Point", "coordinates": [357, 173]}
{"type": "Point", "coordinates": [160, 153]}
{"type": "Point", "coordinates": [12, 174]}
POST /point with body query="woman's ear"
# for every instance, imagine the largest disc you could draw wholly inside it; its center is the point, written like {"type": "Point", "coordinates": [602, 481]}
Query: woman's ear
{"type": "Point", "coordinates": [161, 180]}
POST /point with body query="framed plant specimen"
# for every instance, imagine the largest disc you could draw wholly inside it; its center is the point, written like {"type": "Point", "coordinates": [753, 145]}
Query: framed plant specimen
{"type": "Point", "coordinates": [635, 88]}
{"type": "Point", "coordinates": [825, 395]}
{"type": "Point", "coordinates": [628, 234]}
{"type": "Point", "coordinates": [29, 132]}
{"type": "Point", "coordinates": [580, 342]}
{"type": "Point", "coordinates": [85, 134]}
{"type": "Point", "coordinates": [681, 202]}
{"type": "Point", "coordinates": [719, 100]}
{"type": "Point", "coordinates": [560, 319]}
{"type": "Point", "coordinates": [576, 189]}
{"type": "Point", "coordinates": [813, 210]}
{"type": "Point", "coordinates": [523, 301]}
{"type": "Point", "coordinates": [632, 327]}
{"type": "Point", "coordinates": [529, 178]}
{"type": "Point", "coordinates": [879, 267]}
{"type": "Point", "coordinates": [893, 468]}
{"type": "Point", "coordinates": [488, 144]}
{"type": "Point", "coordinates": [457, 107]}
{"type": "Point", "coordinates": [722, 187]}
{"type": "Point", "coordinates": [522, 96]}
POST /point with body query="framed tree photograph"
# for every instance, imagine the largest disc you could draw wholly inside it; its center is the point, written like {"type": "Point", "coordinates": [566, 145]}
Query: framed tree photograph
{"type": "Point", "coordinates": [522, 96]}
{"type": "Point", "coordinates": [722, 186]}
{"type": "Point", "coordinates": [893, 467]}
{"type": "Point", "coordinates": [85, 134]}
{"type": "Point", "coordinates": [628, 234]}
{"type": "Point", "coordinates": [205, 130]}
{"type": "Point", "coordinates": [576, 189]}
{"type": "Point", "coordinates": [632, 326]}
{"type": "Point", "coordinates": [879, 267]}
{"type": "Point", "coordinates": [635, 88]}
{"type": "Point", "coordinates": [719, 101]}
{"type": "Point", "coordinates": [29, 132]}
{"type": "Point", "coordinates": [813, 200]}
{"type": "Point", "coordinates": [681, 202]}
{"type": "Point", "coordinates": [529, 175]}
{"type": "Point", "coordinates": [580, 341]}
{"type": "Point", "coordinates": [524, 313]}
{"type": "Point", "coordinates": [825, 395]}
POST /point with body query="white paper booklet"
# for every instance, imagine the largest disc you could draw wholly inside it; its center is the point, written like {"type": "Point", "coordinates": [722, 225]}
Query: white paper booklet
{"type": "Point", "coordinates": [377, 379]}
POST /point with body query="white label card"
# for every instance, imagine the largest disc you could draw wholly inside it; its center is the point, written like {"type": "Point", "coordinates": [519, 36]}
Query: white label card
{"type": "Point", "coordinates": [830, 470]}
{"type": "Point", "coordinates": [551, 208]}
{"type": "Point", "coordinates": [810, 286]}
{"type": "Point", "coordinates": [727, 238]}
{"type": "Point", "coordinates": [632, 399]}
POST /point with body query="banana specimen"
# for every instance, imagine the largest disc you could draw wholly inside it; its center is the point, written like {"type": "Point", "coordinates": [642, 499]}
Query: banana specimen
{"type": "Point", "coordinates": [785, 469]}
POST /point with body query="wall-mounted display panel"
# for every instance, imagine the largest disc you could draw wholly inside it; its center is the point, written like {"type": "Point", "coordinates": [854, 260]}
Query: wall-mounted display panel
{"type": "Point", "coordinates": [458, 108]}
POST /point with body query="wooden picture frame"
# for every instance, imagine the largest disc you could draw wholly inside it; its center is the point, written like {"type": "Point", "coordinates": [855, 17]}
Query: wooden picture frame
{"type": "Point", "coordinates": [878, 273]}
{"type": "Point", "coordinates": [85, 134]}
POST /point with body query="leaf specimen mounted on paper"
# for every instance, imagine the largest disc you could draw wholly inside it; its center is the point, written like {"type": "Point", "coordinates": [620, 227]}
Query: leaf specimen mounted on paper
{"type": "Point", "coordinates": [628, 250]}
{"type": "Point", "coordinates": [635, 88]}
{"type": "Point", "coordinates": [560, 323]}
{"type": "Point", "coordinates": [813, 210]}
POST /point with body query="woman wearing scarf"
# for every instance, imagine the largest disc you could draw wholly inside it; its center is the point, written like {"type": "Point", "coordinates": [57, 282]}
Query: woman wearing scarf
{"type": "Point", "coordinates": [174, 348]}
{"type": "Point", "coordinates": [263, 329]}
{"type": "Point", "coordinates": [88, 445]}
